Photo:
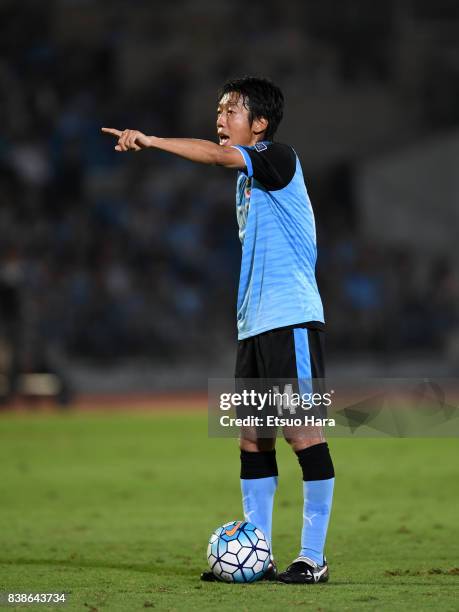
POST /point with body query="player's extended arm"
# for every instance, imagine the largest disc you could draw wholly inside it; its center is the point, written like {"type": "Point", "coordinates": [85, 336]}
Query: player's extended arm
{"type": "Point", "coordinates": [202, 151]}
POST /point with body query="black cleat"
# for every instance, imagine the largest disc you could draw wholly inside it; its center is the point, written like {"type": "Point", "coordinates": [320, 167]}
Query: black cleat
{"type": "Point", "coordinates": [304, 571]}
{"type": "Point", "coordinates": [209, 576]}
{"type": "Point", "coordinates": [270, 574]}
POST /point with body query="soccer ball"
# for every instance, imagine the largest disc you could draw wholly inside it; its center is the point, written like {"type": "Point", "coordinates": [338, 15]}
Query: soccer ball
{"type": "Point", "coordinates": [238, 552]}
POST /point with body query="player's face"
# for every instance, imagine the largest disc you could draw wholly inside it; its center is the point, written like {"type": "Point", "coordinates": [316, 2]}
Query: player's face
{"type": "Point", "coordinates": [233, 125]}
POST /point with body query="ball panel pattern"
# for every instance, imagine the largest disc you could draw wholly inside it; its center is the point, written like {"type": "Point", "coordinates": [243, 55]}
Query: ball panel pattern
{"type": "Point", "coordinates": [238, 552]}
{"type": "Point", "coordinates": [234, 546]}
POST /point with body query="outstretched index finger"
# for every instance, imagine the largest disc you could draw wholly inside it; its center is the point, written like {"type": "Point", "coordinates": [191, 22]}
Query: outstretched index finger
{"type": "Point", "coordinates": [112, 131]}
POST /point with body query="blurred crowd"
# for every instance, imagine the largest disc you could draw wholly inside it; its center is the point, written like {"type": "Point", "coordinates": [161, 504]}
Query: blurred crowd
{"type": "Point", "coordinates": [105, 256]}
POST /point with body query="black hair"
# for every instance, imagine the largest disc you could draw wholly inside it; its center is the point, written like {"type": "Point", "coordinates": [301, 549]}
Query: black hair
{"type": "Point", "coordinates": [261, 97]}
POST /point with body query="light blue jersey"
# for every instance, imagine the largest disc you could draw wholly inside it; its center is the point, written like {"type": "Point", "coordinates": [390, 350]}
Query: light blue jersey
{"type": "Point", "coordinates": [277, 284]}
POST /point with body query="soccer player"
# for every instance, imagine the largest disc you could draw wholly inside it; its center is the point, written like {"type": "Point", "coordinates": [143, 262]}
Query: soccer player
{"type": "Point", "coordinates": [279, 310]}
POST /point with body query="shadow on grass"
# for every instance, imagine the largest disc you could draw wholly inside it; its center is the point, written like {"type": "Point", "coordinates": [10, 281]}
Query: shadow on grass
{"type": "Point", "coordinates": [165, 570]}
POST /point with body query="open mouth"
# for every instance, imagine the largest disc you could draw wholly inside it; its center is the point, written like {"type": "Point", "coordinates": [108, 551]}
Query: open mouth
{"type": "Point", "coordinates": [223, 139]}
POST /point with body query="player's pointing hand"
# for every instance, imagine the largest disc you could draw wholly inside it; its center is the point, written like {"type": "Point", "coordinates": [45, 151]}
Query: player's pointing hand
{"type": "Point", "coordinates": [128, 140]}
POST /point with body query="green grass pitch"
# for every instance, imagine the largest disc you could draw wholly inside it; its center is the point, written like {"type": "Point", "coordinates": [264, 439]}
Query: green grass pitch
{"type": "Point", "coordinates": [115, 509]}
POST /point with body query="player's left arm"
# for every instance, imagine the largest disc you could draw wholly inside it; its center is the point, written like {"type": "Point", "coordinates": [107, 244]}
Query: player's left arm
{"type": "Point", "coordinates": [272, 164]}
{"type": "Point", "coordinates": [201, 151]}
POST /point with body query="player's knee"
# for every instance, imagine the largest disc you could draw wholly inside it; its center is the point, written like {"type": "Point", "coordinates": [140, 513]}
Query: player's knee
{"type": "Point", "coordinates": [258, 464]}
{"type": "Point", "coordinates": [299, 443]}
{"type": "Point", "coordinates": [303, 437]}
{"type": "Point", "coordinates": [315, 462]}
{"type": "Point", "coordinates": [256, 445]}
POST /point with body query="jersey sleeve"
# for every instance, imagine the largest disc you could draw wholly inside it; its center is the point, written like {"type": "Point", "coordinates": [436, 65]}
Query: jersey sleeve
{"type": "Point", "coordinates": [271, 164]}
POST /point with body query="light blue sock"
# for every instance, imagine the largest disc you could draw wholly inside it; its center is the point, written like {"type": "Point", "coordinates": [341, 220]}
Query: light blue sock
{"type": "Point", "coordinates": [318, 495]}
{"type": "Point", "coordinates": [257, 502]}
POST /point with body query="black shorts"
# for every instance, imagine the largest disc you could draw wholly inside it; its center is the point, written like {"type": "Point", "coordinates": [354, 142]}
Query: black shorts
{"type": "Point", "coordinates": [288, 357]}
{"type": "Point", "coordinates": [286, 352]}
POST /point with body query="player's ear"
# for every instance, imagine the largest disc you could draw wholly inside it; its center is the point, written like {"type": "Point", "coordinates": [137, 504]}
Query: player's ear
{"type": "Point", "coordinates": [259, 125]}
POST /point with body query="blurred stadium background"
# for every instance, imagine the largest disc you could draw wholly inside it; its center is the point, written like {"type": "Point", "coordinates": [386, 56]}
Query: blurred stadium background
{"type": "Point", "coordinates": [118, 274]}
